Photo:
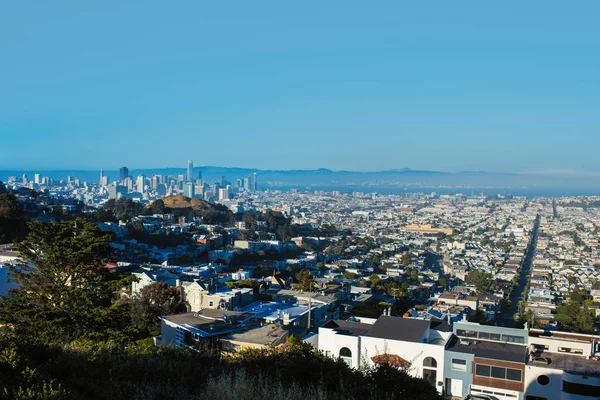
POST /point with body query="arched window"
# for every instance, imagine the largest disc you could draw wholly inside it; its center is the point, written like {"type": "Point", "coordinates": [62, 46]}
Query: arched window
{"type": "Point", "coordinates": [345, 352]}
{"type": "Point", "coordinates": [346, 355]}
{"type": "Point", "coordinates": [430, 362]}
{"type": "Point", "coordinates": [429, 370]}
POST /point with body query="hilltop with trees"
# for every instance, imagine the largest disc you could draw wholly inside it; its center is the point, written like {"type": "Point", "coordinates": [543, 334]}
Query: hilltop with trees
{"type": "Point", "coordinates": [181, 206]}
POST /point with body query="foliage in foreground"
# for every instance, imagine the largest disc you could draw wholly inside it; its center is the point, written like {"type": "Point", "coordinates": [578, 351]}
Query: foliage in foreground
{"type": "Point", "coordinates": [141, 371]}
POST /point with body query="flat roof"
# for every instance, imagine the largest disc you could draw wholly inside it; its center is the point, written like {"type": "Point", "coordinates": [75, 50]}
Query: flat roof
{"type": "Point", "coordinates": [568, 362]}
{"type": "Point", "coordinates": [257, 334]}
{"type": "Point", "coordinates": [491, 350]}
{"type": "Point", "coordinates": [275, 310]}
{"type": "Point", "coordinates": [207, 322]}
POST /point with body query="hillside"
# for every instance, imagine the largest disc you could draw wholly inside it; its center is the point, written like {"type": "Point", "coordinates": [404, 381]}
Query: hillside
{"type": "Point", "coordinates": [210, 213]}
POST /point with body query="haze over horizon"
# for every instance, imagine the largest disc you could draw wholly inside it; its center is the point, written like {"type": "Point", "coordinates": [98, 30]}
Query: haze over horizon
{"type": "Point", "coordinates": [477, 87]}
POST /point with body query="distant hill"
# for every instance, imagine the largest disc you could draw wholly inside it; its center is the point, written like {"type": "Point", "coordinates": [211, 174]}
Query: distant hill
{"type": "Point", "coordinates": [349, 180]}
{"type": "Point", "coordinates": [209, 212]}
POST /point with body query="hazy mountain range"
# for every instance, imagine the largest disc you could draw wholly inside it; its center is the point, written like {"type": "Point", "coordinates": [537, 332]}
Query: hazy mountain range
{"type": "Point", "coordinates": [353, 180]}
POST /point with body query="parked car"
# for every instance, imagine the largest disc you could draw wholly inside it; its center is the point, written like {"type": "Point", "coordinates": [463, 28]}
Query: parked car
{"type": "Point", "coordinates": [480, 397]}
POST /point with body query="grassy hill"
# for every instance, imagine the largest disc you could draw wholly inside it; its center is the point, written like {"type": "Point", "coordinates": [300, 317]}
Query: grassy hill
{"type": "Point", "coordinates": [210, 213]}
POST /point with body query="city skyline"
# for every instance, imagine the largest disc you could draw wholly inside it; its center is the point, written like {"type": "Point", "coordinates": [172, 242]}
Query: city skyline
{"type": "Point", "coordinates": [366, 89]}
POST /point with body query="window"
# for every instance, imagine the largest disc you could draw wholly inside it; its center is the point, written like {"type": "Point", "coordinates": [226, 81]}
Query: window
{"type": "Point", "coordinates": [543, 380]}
{"type": "Point", "coordinates": [346, 355]}
{"type": "Point", "coordinates": [429, 362]}
{"type": "Point", "coordinates": [513, 374]}
{"type": "Point", "coordinates": [459, 365]}
{"type": "Point", "coordinates": [513, 339]}
{"type": "Point", "coordinates": [535, 398]}
{"type": "Point", "coordinates": [482, 370]}
{"type": "Point", "coordinates": [498, 373]}
{"type": "Point", "coordinates": [430, 375]}
{"type": "Point", "coordinates": [327, 353]}
{"type": "Point", "coordinates": [489, 371]}
{"type": "Point", "coordinates": [583, 390]}
{"type": "Point", "coordinates": [569, 350]}
{"type": "Point", "coordinates": [429, 370]}
{"type": "Point", "coordinates": [345, 352]}
{"type": "Point", "coordinates": [540, 347]}
{"type": "Point", "coordinates": [464, 333]}
{"type": "Point", "coordinates": [210, 304]}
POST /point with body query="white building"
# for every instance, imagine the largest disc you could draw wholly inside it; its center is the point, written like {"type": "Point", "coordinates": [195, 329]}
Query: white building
{"type": "Point", "coordinates": [416, 345]}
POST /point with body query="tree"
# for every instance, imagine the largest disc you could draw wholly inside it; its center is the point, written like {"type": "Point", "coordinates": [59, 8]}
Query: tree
{"type": "Point", "coordinates": [153, 301]}
{"type": "Point", "coordinates": [442, 282]}
{"type": "Point", "coordinates": [158, 207]}
{"type": "Point", "coordinates": [12, 219]}
{"type": "Point", "coordinates": [64, 291]}
{"type": "Point", "coordinates": [2, 188]}
{"type": "Point", "coordinates": [375, 279]}
{"type": "Point", "coordinates": [261, 271]}
{"type": "Point", "coordinates": [480, 279]}
{"type": "Point", "coordinates": [305, 280]}
{"type": "Point", "coordinates": [414, 275]}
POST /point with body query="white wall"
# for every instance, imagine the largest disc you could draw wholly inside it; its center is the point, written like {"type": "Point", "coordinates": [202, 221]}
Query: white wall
{"type": "Point", "coordinates": [414, 353]}
{"type": "Point", "coordinates": [330, 341]}
{"type": "Point", "coordinates": [363, 348]}
{"type": "Point", "coordinates": [167, 333]}
{"type": "Point", "coordinates": [553, 391]}
{"type": "Point", "coordinates": [554, 344]}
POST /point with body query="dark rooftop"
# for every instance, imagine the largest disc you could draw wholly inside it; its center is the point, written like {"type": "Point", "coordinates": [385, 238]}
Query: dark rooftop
{"type": "Point", "coordinates": [209, 321]}
{"type": "Point", "coordinates": [348, 328]}
{"type": "Point", "coordinates": [491, 350]}
{"type": "Point", "coordinates": [405, 329]}
{"type": "Point", "coordinates": [440, 325]}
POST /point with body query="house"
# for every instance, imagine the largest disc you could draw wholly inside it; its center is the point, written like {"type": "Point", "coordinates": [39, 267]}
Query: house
{"type": "Point", "coordinates": [562, 366]}
{"type": "Point", "coordinates": [415, 345]}
{"type": "Point", "coordinates": [200, 295]}
{"type": "Point", "coordinates": [240, 275]}
{"type": "Point", "coordinates": [485, 360]}
{"type": "Point", "coordinates": [199, 331]}
{"type": "Point", "coordinates": [147, 277]}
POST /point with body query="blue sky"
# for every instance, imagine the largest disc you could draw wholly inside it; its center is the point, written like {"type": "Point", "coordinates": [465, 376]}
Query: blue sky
{"type": "Point", "coordinates": [452, 86]}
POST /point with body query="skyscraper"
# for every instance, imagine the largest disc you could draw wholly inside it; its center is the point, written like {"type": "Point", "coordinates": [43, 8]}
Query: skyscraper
{"type": "Point", "coordinates": [190, 171]}
{"type": "Point", "coordinates": [254, 181]}
{"type": "Point", "coordinates": [140, 183]}
{"type": "Point", "coordinates": [123, 173]}
{"type": "Point", "coordinates": [101, 177]}
{"type": "Point", "coordinates": [188, 190]}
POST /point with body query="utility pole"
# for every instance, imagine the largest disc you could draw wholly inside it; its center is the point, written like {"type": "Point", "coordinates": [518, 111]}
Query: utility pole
{"type": "Point", "coordinates": [309, 309]}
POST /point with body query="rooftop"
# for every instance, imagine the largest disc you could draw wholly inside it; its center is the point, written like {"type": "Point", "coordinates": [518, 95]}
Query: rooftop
{"type": "Point", "coordinates": [491, 350]}
{"type": "Point", "coordinates": [567, 362]}
{"type": "Point", "coordinates": [273, 311]}
{"type": "Point", "coordinates": [404, 329]}
{"type": "Point", "coordinates": [348, 328]}
{"type": "Point", "coordinates": [269, 334]}
{"type": "Point", "coordinates": [208, 322]}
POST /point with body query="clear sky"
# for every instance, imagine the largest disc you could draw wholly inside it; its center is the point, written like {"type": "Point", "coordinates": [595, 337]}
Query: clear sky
{"type": "Point", "coordinates": [452, 86]}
